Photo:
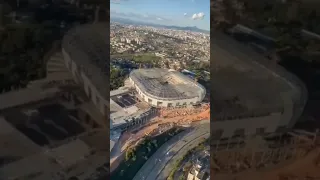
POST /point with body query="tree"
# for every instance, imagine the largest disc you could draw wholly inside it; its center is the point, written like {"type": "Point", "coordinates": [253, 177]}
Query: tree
{"type": "Point", "coordinates": [129, 154]}
{"type": "Point", "coordinates": [117, 77]}
{"type": "Point", "coordinates": [23, 48]}
{"type": "Point", "coordinates": [198, 75]}
{"type": "Point", "coordinates": [148, 149]}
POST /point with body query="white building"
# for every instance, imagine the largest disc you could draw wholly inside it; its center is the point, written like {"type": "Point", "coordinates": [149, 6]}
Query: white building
{"type": "Point", "coordinates": [166, 88]}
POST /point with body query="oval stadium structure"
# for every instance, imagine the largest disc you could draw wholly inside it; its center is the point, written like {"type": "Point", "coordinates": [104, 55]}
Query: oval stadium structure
{"type": "Point", "coordinates": [166, 88]}
{"type": "Point", "coordinates": [265, 97]}
{"type": "Point", "coordinates": [85, 51]}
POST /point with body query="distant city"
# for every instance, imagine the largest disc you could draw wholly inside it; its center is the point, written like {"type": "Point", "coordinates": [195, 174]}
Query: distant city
{"type": "Point", "coordinates": [132, 22]}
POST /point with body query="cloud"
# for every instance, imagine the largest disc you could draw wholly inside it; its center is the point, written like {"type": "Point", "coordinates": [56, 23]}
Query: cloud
{"type": "Point", "coordinates": [198, 16]}
{"type": "Point", "coordinates": [117, 1]}
{"type": "Point", "coordinates": [138, 16]}
{"type": "Point", "coordinates": [185, 14]}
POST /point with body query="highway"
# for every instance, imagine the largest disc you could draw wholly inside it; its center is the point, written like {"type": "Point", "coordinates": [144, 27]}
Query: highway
{"type": "Point", "coordinates": [161, 162]}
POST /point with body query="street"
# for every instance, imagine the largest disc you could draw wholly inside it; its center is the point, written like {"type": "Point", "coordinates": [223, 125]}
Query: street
{"type": "Point", "coordinates": [177, 146]}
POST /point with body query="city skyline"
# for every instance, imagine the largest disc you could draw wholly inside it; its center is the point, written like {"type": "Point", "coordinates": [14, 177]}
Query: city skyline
{"type": "Point", "coordinates": [165, 12]}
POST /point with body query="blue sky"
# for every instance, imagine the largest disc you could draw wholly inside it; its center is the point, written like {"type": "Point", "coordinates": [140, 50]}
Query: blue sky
{"type": "Point", "coordinates": [165, 12]}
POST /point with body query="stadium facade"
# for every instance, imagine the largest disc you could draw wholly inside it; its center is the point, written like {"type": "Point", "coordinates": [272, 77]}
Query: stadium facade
{"type": "Point", "coordinates": [166, 88]}
{"type": "Point", "coordinates": [270, 98]}
{"type": "Point", "coordinates": [85, 52]}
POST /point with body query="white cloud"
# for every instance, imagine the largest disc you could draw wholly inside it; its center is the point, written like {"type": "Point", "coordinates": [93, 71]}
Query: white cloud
{"type": "Point", "coordinates": [115, 1]}
{"type": "Point", "coordinates": [198, 16]}
{"type": "Point", "coordinates": [150, 17]}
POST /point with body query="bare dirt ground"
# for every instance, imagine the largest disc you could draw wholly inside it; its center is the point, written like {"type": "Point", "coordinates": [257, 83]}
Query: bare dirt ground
{"type": "Point", "coordinates": [305, 168]}
{"type": "Point", "coordinates": [177, 116]}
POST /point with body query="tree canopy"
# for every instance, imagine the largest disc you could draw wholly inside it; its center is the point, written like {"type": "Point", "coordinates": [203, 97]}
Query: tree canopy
{"type": "Point", "coordinates": [22, 49]}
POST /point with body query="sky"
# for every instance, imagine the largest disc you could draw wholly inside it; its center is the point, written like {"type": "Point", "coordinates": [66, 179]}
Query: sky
{"type": "Point", "coordinates": [165, 12]}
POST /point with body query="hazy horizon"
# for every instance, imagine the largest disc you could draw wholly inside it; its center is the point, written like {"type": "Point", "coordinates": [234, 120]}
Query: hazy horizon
{"type": "Point", "coordinates": [183, 13]}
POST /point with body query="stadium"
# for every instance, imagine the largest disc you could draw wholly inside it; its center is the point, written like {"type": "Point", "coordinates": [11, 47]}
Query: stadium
{"type": "Point", "coordinates": [166, 88]}
{"type": "Point", "coordinates": [85, 50]}
{"type": "Point", "coordinates": [250, 94]}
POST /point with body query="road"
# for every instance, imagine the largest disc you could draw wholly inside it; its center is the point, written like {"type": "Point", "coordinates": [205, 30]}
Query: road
{"type": "Point", "coordinates": [157, 166]}
{"type": "Point", "coordinates": [164, 172]}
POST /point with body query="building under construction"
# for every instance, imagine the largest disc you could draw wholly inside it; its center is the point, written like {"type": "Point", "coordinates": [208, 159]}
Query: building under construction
{"type": "Point", "coordinates": [251, 95]}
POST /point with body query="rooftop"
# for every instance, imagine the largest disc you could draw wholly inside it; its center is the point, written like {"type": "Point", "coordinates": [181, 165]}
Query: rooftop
{"type": "Point", "coordinates": [71, 159]}
{"type": "Point", "coordinates": [45, 122]}
{"type": "Point", "coordinates": [166, 84]}
{"type": "Point", "coordinates": [70, 153]}
{"type": "Point", "coordinates": [40, 168]}
{"type": "Point", "coordinates": [13, 144]}
{"type": "Point", "coordinates": [124, 105]}
{"type": "Point", "coordinates": [246, 76]}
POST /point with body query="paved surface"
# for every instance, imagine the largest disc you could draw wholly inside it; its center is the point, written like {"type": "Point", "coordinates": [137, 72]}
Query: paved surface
{"type": "Point", "coordinates": [164, 172]}
{"type": "Point", "coordinates": [157, 166]}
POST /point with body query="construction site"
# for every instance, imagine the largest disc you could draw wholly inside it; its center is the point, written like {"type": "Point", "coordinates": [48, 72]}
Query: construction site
{"type": "Point", "coordinates": [256, 107]}
{"type": "Point", "coordinates": [290, 156]}
{"type": "Point", "coordinates": [166, 119]}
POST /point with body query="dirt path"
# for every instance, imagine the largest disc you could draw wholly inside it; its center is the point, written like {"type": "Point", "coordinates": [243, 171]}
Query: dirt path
{"type": "Point", "coordinates": [298, 170]}
{"type": "Point", "coordinates": [182, 116]}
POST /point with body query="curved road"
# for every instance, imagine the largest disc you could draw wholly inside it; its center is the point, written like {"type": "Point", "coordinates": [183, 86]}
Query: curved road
{"type": "Point", "coordinates": [164, 172]}
{"type": "Point", "coordinates": [160, 163]}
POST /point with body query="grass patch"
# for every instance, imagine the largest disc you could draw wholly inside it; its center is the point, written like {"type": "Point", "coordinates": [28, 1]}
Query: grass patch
{"type": "Point", "coordinates": [146, 58]}
{"type": "Point", "coordinates": [136, 157]}
{"type": "Point", "coordinates": [140, 58]}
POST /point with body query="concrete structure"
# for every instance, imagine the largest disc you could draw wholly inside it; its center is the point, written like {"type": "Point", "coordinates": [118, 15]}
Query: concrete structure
{"type": "Point", "coordinates": [201, 168]}
{"type": "Point", "coordinates": [265, 97]}
{"type": "Point", "coordinates": [126, 110]}
{"type": "Point", "coordinates": [24, 159]}
{"type": "Point", "coordinates": [196, 174]}
{"type": "Point", "coordinates": [46, 124]}
{"type": "Point", "coordinates": [85, 52]}
{"type": "Point", "coordinates": [166, 88]}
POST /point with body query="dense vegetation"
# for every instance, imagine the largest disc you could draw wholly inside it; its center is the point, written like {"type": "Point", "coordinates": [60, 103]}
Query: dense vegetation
{"type": "Point", "coordinates": [135, 158]}
{"type": "Point", "coordinates": [22, 51]}
{"type": "Point", "coordinates": [279, 19]}
{"type": "Point", "coordinates": [269, 12]}
{"type": "Point", "coordinates": [143, 58]}
{"type": "Point", "coordinates": [147, 58]}
{"type": "Point", "coordinates": [117, 77]}
{"type": "Point", "coordinates": [25, 47]}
